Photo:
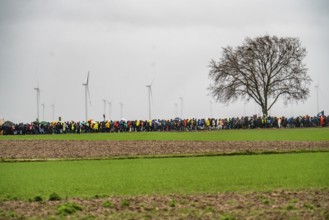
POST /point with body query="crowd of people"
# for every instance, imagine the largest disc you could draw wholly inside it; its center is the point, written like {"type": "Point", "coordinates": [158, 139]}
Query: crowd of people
{"type": "Point", "coordinates": [176, 124]}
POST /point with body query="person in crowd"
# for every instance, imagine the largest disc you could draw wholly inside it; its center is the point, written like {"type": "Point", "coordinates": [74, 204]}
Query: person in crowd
{"type": "Point", "coordinates": [167, 125]}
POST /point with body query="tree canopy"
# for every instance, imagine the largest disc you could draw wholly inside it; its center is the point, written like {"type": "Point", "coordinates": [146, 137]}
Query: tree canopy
{"type": "Point", "coordinates": [262, 69]}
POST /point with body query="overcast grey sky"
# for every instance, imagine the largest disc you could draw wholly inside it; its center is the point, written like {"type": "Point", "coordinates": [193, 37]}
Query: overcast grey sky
{"type": "Point", "coordinates": [126, 44]}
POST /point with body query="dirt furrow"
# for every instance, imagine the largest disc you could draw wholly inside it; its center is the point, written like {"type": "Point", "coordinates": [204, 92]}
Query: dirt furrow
{"type": "Point", "coordinates": [309, 204]}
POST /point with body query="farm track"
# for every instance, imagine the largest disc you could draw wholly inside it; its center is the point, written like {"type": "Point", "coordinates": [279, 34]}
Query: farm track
{"type": "Point", "coordinates": [280, 204]}
{"type": "Point", "coordinates": [63, 149]}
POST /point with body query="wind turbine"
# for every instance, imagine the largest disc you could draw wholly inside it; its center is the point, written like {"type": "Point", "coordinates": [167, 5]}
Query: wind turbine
{"type": "Point", "coordinates": [87, 95]}
{"type": "Point", "coordinates": [317, 98]}
{"type": "Point", "coordinates": [38, 99]}
{"type": "Point", "coordinates": [181, 107]}
{"type": "Point", "coordinates": [110, 109]}
{"type": "Point", "coordinates": [175, 109]}
{"type": "Point", "coordinates": [149, 88]}
{"type": "Point", "coordinates": [104, 100]}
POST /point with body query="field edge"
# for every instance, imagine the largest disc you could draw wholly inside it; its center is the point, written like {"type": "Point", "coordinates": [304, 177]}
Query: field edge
{"type": "Point", "coordinates": [156, 156]}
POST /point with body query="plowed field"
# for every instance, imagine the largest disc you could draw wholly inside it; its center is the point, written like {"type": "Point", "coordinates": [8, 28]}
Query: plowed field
{"type": "Point", "coordinates": [42, 149]}
{"type": "Point", "coordinates": [259, 205]}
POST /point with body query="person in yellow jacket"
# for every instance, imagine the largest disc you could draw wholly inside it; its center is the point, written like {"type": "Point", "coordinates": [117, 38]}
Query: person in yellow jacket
{"type": "Point", "coordinates": [208, 123]}
{"type": "Point", "coordinates": [96, 126]}
{"type": "Point", "coordinates": [107, 124]}
{"type": "Point", "coordinates": [137, 124]}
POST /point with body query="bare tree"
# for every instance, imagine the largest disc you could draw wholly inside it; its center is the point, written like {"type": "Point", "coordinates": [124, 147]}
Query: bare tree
{"type": "Point", "coordinates": [263, 69]}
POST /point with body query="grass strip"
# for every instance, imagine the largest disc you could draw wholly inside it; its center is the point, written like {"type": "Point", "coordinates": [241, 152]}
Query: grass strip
{"type": "Point", "coordinates": [187, 175]}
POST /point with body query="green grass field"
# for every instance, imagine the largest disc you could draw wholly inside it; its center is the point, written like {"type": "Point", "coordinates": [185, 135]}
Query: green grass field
{"type": "Point", "coordinates": [164, 176]}
{"type": "Point", "coordinates": [297, 134]}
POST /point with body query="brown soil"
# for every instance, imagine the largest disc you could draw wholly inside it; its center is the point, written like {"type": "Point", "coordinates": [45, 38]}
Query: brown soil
{"type": "Point", "coordinates": [41, 149]}
{"type": "Point", "coordinates": [259, 205]}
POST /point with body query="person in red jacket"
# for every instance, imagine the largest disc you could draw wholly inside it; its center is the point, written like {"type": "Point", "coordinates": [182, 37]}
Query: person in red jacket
{"type": "Point", "coordinates": [322, 121]}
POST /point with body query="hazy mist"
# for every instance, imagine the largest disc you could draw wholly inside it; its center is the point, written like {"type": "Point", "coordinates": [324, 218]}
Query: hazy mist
{"type": "Point", "coordinates": [128, 44]}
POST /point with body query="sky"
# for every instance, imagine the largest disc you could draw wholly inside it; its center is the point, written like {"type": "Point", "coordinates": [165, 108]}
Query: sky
{"type": "Point", "coordinates": [128, 44]}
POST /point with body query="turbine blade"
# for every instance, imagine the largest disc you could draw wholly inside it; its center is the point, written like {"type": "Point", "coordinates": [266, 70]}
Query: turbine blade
{"type": "Point", "coordinates": [87, 78]}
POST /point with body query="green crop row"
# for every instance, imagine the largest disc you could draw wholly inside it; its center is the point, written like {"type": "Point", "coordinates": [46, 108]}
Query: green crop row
{"type": "Point", "coordinates": [89, 178]}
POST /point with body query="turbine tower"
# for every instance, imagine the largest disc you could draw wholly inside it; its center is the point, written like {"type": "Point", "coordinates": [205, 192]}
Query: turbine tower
{"type": "Point", "coordinates": [181, 107]}
{"type": "Point", "coordinates": [87, 95]}
{"type": "Point", "coordinates": [149, 88]}
{"type": "Point", "coordinates": [38, 99]}
{"type": "Point", "coordinates": [317, 98]}
{"type": "Point", "coordinates": [104, 100]}
{"type": "Point", "coordinates": [175, 109]}
{"type": "Point", "coordinates": [110, 109]}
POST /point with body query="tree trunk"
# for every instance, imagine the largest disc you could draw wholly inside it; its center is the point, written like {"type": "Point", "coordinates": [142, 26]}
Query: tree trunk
{"type": "Point", "coordinates": [264, 110]}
